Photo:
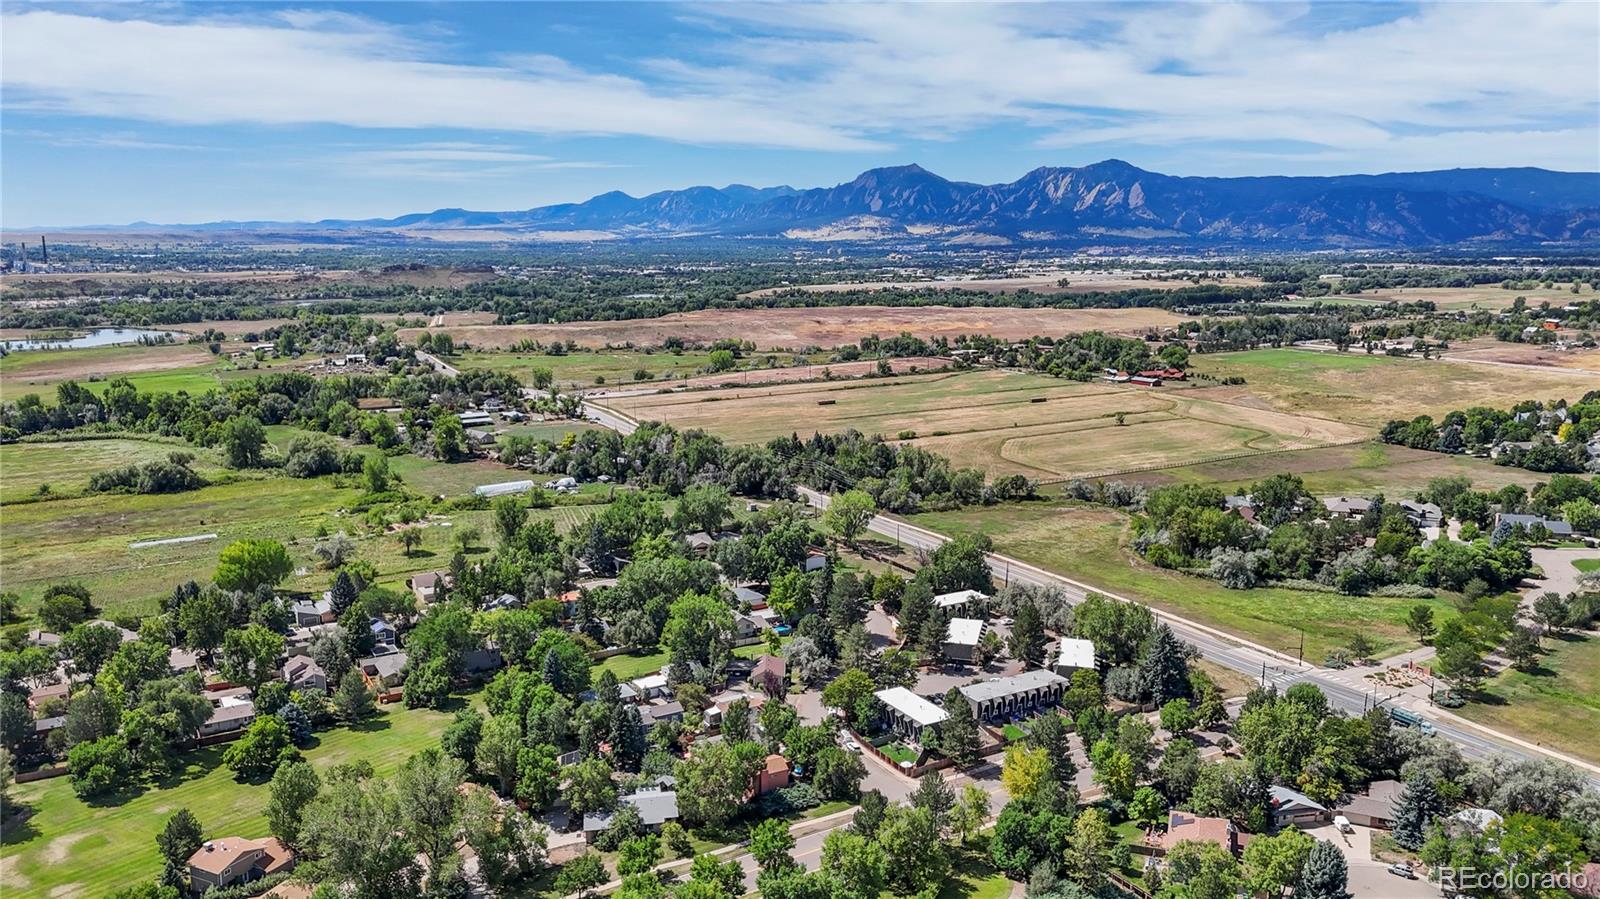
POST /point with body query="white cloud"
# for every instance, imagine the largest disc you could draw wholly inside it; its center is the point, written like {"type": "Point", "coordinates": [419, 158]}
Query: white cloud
{"type": "Point", "coordinates": [209, 72]}
{"type": "Point", "coordinates": [1442, 85]}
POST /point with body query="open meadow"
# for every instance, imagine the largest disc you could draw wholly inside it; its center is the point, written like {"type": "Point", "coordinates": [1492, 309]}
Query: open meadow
{"type": "Point", "coordinates": [1006, 422]}
{"type": "Point", "coordinates": [1371, 389]}
{"type": "Point", "coordinates": [1360, 469]}
{"type": "Point", "coordinates": [1090, 544]}
{"type": "Point", "coordinates": [89, 538]}
{"type": "Point", "coordinates": [167, 368]}
{"type": "Point", "coordinates": [1483, 296]}
{"type": "Point", "coordinates": [1050, 283]}
{"type": "Point", "coordinates": [1556, 704]}
{"type": "Point", "coordinates": [828, 326]}
{"type": "Point", "coordinates": [70, 848]}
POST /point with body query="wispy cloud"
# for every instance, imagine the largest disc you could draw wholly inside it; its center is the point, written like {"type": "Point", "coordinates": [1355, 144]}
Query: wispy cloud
{"type": "Point", "coordinates": [1430, 85]}
{"type": "Point", "coordinates": [111, 141]}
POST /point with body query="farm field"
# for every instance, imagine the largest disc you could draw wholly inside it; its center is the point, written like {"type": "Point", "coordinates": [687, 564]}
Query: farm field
{"type": "Point", "coordinates": [1498, 353]}
{"type": "Point", "coordinates": [1007, 422]}
{"type": "Point", "coordinates": [1486, 296]}
{"type": "Point", "coordinates": [1077, 282]}
{"type": "Point", "coordinates": [87, 539]}
{"type": "Point", "coordinates": [65, 466]}
{"type": "Point", "coordinates": [1372, 389]}
{"type": "Point", "coordinates": [1358, 470]}
{"type": "Point", "coordinates": [1556, 704]}
{"type": "Point", "coordinates": [831, 326]}
{"type": "Point", "coordinates": [69, 848]}
{"type": "Point", "coordinates": [1088, 544]}
{"type": "Point", "coordinates": [152, 369]}
{"type": "Point", "coordinates": [581, 369]}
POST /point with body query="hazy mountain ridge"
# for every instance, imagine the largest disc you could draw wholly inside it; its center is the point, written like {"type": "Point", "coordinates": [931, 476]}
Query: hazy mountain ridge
{"type": "Point", "coordinates": [1076, 204]}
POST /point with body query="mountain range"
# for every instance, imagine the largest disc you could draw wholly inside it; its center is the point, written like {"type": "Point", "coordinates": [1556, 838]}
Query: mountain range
{"type": "Point", "coordinates": [1107, 202]}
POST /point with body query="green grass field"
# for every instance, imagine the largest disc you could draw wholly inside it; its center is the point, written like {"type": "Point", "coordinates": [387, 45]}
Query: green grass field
{"type": "Point", "coordinates": [1556, 704]}
{"type": "Point", "coordinates": [1586, 565]}
{"type": "Point", "coordinates": [1367, 389]}
{"type": "Point", "coordinates": [86, 537]}
{"type": "Point", "coordinates": [1358, 470]}
{"type": "Point", "coordinates": [617, 367]}
{"type": "Point", "coordinates": [70, 848]}
{"type": "Point", "coordinates": [153, 369]}
{"type": "Point", "coordinates": [1087, 544]}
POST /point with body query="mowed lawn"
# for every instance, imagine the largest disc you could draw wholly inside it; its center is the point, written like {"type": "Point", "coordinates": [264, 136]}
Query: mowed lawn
{"type": "Point", "coordinates": [1371, 389]}
{"type": "Point", "coordinates": [70, 848]}
{"type": "Point", "coordinates": [1087, 544]}
{"type": "Point", "coordinates": [1556, 704]}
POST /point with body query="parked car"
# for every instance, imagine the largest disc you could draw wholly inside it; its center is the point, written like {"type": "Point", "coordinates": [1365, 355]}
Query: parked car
{"type": "Point", "coordinates": [1400, 869]}
{"type": "Point", "coordinates": [852, 746]}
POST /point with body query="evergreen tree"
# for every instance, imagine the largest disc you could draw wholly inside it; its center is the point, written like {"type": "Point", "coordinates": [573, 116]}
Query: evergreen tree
{"type": "Point", "coordinates": [870, 813]}
{"type": "Point", "coordinates": [627, 738]}
{"type": "Point", "coordinates": [550, 670]}
{"type": "Point", "coordinates": [297, 722]}
{"type": "Point", "coordinates": [343, 593]}
{"type": "Point", "coordinates": [180, 838]}
{"type": "Point", "coordinates": [936, 797]}
{"type": "Point", "coordinates": [958, 734]}
{"type": "Point", "coordinates": [1324, 875]}
{"type": "Point", "coordinates": [1050, 734]}
{"type": "Point", "coordinates": [1414, 811]}
{"type": "Point", "coordinates": [1027, 635]}
{"type": "Point", "coordinates": [1164, 673]}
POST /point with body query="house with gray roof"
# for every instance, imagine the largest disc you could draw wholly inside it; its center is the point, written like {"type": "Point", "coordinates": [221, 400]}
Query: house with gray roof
{"type": "Point", "coordinates": [656, 807]}
{"type": "Point", "coordinates": [1001, 698]}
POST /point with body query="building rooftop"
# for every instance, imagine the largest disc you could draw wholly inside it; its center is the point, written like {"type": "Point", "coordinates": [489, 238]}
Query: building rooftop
{"type": "Point", "coordinates": [915, 709]}
{"type": "Point", "coordinates": [1075, 653]}
{"type": "Point", "coordinates": [964, 631]}
{"type": "Point", "coordinates": [1001, 687]}
{"type": "Point", "coordinates": [946, 600]}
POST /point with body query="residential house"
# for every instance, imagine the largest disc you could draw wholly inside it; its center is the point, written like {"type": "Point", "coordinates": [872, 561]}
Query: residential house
{"type": "Point", "coordinates": [661, 711]}
{"type": "Point", "coordinates": [428, 587]}
{"type": "Point", "coordinates": [701, 543]}
{"type": "Point", "coordinates": [749, 597]}
{"type": "Point", "coordinates": [383, 632]}
{"type": "Point", "coordinates": [962, 636]}
{"type": "Point", "coordinates": [182, 661]}
{"type": "Point", "coordinates": [1182, 826]}
{"type": "Point", "coordinates": [303, 673]}
{"type": "Point", "coordinates": [906, 713]}
{"type": "Point", "coordinates": [1019, 695]}
{"type": "Point", "coordinates": [651, 686]}
{"type": "Point", "coordinates": [227, 861]}
{"type": "Point", "coordinates": [815, 562]}
{"type": "Point", "coordinates": [482, 659]}
{"type": "Point", "coordinates": [123, 634]}
{"type": "Point", "coordinates": [1556, 527]}
{"type": "Point", "coordinates": [231, 709]}
{"type": "Point", "coordinates": [1375, 808]}
{"type": "Point", "coordinates": [1291, 807]}
{"type": "Point", "coordinates": [775, 774]}
{"type": "Point", "coordinates": [383, 669]}
{"type": "Point", "coordinates": [773, 669]}
{"type": "Point", "coordinates": [311, 612]}
{"type": "Point", "coordinates": [1346, 506]}
{"type": "Point", "coordinates": [656, 807]}
{"type": "Point", "coordinates": [1422, 515]}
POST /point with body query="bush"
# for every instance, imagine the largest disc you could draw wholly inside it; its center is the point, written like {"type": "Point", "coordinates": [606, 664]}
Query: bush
{"type": "Point", "coordinates": [1404, 591]}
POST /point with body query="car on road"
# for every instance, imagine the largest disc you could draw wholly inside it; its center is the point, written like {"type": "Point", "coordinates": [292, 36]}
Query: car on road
{"type": "Point", "coordinates": [852, 746]}
{"type": "Point", "coordinates": [1400, 869]}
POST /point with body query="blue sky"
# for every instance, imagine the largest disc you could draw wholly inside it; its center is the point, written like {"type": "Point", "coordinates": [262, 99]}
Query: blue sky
{"type": "Point", "coordinates": [184, 113]}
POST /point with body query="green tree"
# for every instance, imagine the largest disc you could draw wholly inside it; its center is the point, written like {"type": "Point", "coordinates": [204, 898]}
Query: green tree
{"type": "Point", "coordinates": [958, 733]}
{"type": "Point", "coordinates": [849, 513]}
{"type": "Point", "coordinates": [243, 438]}
{"type": "Point", "coordinates": [970, 812]}
{"type": "Point", "coordinates": [1325, 874]}
{"type": "Point", "coordinates": [712, 782]}
{"type": "Point", "coordinates": [1272, 863]}
{"type": "Point", "coordinates": [352, 701]}
{"type": "Point", "coordinates": [837, 774]}
{"type": "Point", "coordinates": [580, 876]}
{"type": "Point", "coordinates": [770, 844]}
{"type": "Point", "coordinates": [858, 862]}
{"type": "Point", "coordinates": [1415, 810]}
{"type": "Point", "coordinates": [180, 838]}
{"type": "Point", "coordinates": [428, 797]}
{"type": "Point", "coordinates": [914, 854]}
{"type": "Point", "coordinates": [1203, 870]}
{"type": "Point", "coordinates": [261, 750]}
{"type": "Point", "coordinates": [1419, 621]}
{"type": "Point", "coordinates": [247, 564]}
{"type": "Point", "coordinates": [375, 473]}
{"type": "Point", "coordinates": [1088, 855]}
{"type": "Point", "coordinates": [449, 438]}
{"type": "Point", "coordinates": [1027, 635]}
{"type": "Point", "coordinates": [589, 787]}
{"type": "Point", "coordinates": [294, 786]}
{"type": "Point", "coordinates": [250, 654]}
{"type": "Point", "coordinates": [1164, 673]}
{"type": "Point", "coordinates": [704, 507]}
{"type": "Point", "coordinates": [846, 692]}
{"type": "Point", "coordinates": [1026, 771]}
{"type": "Point", "coordinates": [1177, 718]}
{"type": "Point", "coordinates": [90, 646]}
{"type": "Point", "coordinates": [350, 829]}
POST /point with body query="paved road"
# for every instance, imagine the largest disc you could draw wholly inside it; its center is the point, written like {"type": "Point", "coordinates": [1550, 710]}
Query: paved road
{"type": "Point", "coordinates": [439, 365]}
{"type": "Point", "coordinates": [1260, 662]}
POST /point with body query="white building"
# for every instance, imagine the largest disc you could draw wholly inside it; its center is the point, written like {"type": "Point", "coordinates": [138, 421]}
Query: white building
{"type": "Point", "coordinates": [907, 713]}
{"type": "Point", "coordinates": [1071, 655]}
{"type": "Point", "coordinates": [958, 598]}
